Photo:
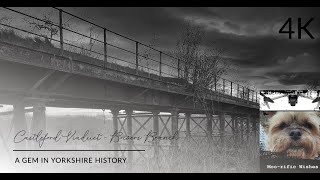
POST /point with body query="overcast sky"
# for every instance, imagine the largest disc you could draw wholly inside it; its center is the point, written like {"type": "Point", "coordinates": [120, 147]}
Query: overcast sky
{"type": "Point", "coordinates": [248, 36]}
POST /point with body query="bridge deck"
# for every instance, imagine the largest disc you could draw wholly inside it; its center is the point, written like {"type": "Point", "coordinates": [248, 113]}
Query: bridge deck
{"type": "Point", "coordinates": [85, 75]}
{"type": "Point", "coordinates": [78, 65]}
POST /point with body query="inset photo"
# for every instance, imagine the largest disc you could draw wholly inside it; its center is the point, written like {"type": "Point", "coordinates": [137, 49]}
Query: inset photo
{"type": "Point", "coordinates": [289, 100]}
{"type": "Point", "coordinates": [289, 140]}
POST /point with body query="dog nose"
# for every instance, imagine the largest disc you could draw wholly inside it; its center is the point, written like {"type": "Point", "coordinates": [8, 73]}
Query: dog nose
{"type": "Point", "coordinates": [295, 134]}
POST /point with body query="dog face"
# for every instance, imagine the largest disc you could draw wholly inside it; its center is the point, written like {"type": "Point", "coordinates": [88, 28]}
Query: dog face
{"type": "Point", "coordinates": [295, 133]}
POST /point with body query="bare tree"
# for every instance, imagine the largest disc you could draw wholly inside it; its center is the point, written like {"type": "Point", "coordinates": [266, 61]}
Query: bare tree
{"type": "Point", "coordinates": [188, 46]}
{"type": "Point", "coordinates": [86, 49]}
{"type": "Point", "coordinates": [202, 66]}
{"type": "Point", "coordinates": [47, 25]}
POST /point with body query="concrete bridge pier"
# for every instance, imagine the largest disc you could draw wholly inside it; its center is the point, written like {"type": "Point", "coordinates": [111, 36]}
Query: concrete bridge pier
{"type": "Point", "coordinates": [174, 142]}
{"type": "Point", "coordinates": [241, 128]}
{"type": "Point", "coordinates": [248, 120]}
{"type": "Point", "coordinates": [19, 123]}
{"type": "Point", "coordinates": [115, 113]}
{"type": "Point", "coordinates": [156, 131]}
{"type": "Point", "coordinates": [130, 142]}
{"type": "Point", "coordinates": [232, 123]}
{"type": "Point", "coordinates": [209, 127]}
{"type": "Point", "coordinates": [174, 126]}
{"type": "Point", "coordinates": [234, 127]}
{"type": "Point", "coordinates": [222, 127]}
{"type": "Point", "coordinates": [255, 125]}
{"type": "Point", "coordinates": [188, 130]}
{"type": "Point", "coordinates": [38, 122]}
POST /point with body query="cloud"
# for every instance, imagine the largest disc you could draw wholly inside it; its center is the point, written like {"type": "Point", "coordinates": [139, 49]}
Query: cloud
{"type": "Point", "coordinates": [291, 78]}
{"type": "Point", "coordinates": [287, 60]}
{"type": "Point", "coordinates": [232, 26]}
{"type": "Point", "coordinates": [248, 36]}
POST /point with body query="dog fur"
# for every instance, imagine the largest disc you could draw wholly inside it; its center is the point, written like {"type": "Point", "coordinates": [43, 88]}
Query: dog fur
{"type": "Point", "coordinates": [295, 133]}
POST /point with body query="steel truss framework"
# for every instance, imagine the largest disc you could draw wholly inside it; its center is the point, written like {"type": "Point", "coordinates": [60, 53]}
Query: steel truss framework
{"type": "Point", "coordinates": [200, 129]}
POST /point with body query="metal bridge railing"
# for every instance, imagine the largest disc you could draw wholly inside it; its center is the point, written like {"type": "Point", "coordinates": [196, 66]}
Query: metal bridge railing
{"type": "Point", "coordinates": [69, 32]}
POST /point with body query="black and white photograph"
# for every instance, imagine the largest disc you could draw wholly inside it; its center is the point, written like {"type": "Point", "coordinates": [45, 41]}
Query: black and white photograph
{"type": "Point", "coordinates": [290, 100]}
{"type": "Point", "coordinates": [157, 89]}
{"type": "Point", "coordinates": [289, 141]}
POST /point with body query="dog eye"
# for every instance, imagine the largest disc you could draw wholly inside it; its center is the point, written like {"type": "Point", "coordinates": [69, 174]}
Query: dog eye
{"type": "Point", "coordinates": [307, 125]}
{"type": "Point", "coordinates": [283, 125]}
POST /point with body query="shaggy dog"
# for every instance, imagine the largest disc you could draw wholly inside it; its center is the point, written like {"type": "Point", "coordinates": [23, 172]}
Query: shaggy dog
{"type": "Point", "coordinates": [295, 133]}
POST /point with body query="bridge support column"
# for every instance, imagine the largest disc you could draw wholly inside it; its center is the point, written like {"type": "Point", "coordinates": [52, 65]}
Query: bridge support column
{"type": "Point", "coordinates": [209, 126]}
{"type": "Point", "coordinates": [115, 113]}
{"type": "Point", "coordinates": [39, 118]}
{"type": "Point", "coordinates": [248, 126]}
{"type": "Point", "coordinates": [174, 142]}
{"type": "Point", "coordinates": [19, 123]}
{"type": "Point", "coordinates": [188, 133]}
{"type": "Point", "coordinates": [222, 126]}
{"type": "Point", "coordinates": [236, 128]}
{"type": "Point", "coordinates": [232, 124]}
{"type": "Point", "coordinates": [254, 126]}
{"type": "Point", "coordinates": [174, 126]}
{"type": "Point", "coordinates": [241, 128]}
{"type": "Point", "coordinates": [236, 125]}
{"type": "Point", "coordinates": [233, 127]}
{"type": "Point", "coordinates": [130, 142]}
{"type": "Point", "coordinates": [156, 131]}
